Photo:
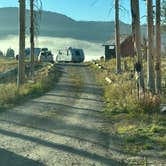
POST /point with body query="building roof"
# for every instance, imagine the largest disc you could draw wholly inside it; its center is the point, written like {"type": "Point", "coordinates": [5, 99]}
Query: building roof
{"type": "Point", "coordinates": [112, 42]}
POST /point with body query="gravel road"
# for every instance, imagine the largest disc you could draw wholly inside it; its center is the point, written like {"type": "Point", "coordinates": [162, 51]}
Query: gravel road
{"type": "Point", "coordinates": [64, 127]}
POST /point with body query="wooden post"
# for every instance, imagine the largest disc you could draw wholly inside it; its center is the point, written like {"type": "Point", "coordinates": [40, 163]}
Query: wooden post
{"type": "Point", "coordinates": [117, 37]}
{"type": "Point", "coordinates": [158, 48]}
{"type": "Point", "coordinates": [137, 40]}
{"type": "Point", "coordinates": [32, 36]}
{"type": "Point", "coordinates": [21, 66]}
{"type": "Point", "coordinates": [150, 56]}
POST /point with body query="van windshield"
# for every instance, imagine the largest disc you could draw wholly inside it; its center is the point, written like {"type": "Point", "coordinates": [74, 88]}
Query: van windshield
{"type": "Point", "coordinates": [77, 53]}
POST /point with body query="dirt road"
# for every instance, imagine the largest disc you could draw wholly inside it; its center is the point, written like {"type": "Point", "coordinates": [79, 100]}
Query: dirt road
{"type": "Point", "coordinates": [61, 128]}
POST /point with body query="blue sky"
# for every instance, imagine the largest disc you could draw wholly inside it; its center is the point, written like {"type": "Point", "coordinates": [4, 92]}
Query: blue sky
{"type": "Point", "coordinates": [102, 10]}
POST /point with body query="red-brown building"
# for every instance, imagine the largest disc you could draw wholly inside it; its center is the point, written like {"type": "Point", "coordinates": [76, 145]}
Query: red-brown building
{"type": "Point", "coordinates": [126, 47]}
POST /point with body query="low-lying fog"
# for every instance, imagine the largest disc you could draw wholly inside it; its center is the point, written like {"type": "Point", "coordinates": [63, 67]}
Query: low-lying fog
{"type": "Point", "coordinates": [91, 50]}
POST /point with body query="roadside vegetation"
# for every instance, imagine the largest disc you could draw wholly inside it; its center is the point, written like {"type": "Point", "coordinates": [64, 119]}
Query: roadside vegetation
{"type": "Point", "coordinates": [137, 120]}
{"type": "Point", "coordinates": [44, 79]}
{"type": "Point", "coordinates": [7, 64]}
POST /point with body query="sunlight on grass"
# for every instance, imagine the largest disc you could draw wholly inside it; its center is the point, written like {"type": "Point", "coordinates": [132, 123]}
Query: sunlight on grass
{"type": "Point", "coordinates": [10, 95]}
{"type": "Point", "coordinates": [7, 64]}
{"type": "Point", "coordinates": [138, 122]}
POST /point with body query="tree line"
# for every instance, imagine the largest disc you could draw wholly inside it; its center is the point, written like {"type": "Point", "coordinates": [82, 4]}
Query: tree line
{"type": "Point", "coordinates": [154, 42]}
{"type": "Point", "coordinates": [34, 4]}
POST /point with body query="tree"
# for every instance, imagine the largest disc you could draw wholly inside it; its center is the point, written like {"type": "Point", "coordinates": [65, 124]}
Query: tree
{"type": "Point", "coordinates": [21, 65]}
{"type": "Point", "coordinates": [1, 53]}
{"type": "Point", "coordinates": [137, 41]}
{"type": "Point", "coordinates": [37, 16]}
{"type": "Point", "coordinates": [163, 13]}
{"type": "Point", "coordinates": [32, 35]}
{"type": "Point", "coordinates": [34, 24]}
{"type": "Point", "coordinates": [158, 48]}
{"type": "Point", "coordinates": [10, 53]}
{"type": "Point", "coordinates": [117, 37]}
{"type": "Point", "coordinates": [150, 56]}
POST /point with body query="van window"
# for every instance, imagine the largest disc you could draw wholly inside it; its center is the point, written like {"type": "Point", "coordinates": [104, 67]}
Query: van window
{"type": "Point", "coordinates": [60, 53]}
{"type": "Point", "coordinates": [77, 53]}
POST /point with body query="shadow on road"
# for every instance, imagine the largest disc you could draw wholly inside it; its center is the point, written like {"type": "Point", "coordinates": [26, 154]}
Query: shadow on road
{"type": "Point", "coordinates": [11, 159]}
{"type": "Point", "coordinates": [86, 89]}
{"type": "Point", "coordinates": [61, 147]}
{"type": "Point", "coordinates": [77, 117]}
{"type": "Point", "coordinates": [76, 97]}
{"type": "Point", "coordinates": [72, 65]}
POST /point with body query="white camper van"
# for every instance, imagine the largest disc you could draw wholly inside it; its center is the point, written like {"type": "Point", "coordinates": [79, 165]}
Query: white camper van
{"type": "Point", "coordinates": [70, 55]}
{"type": "Point", "coordinates": [45, 56]}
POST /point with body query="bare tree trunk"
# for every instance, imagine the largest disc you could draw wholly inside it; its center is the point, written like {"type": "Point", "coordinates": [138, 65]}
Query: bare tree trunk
{"type": "Point", "coordinates": [158, 48]}
{"type": "Point", "coordinates": [137, 41]}
{"type": "Point", "coordinates": [21, 66]}
{"type": "Point", "coordinates": [150, 56]}
{"type": "Point", "coordinates": [32, 35]}
{"type": "Point", "coordinates": [133, 19]}
{"type": "Point", "coordinates": [117, 37]}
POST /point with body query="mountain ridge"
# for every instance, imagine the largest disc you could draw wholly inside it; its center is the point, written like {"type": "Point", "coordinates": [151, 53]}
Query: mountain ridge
{"type": "Point", "coordinates": [59, 25]}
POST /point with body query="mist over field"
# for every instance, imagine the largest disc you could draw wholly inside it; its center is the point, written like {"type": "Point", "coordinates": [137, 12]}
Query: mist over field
{"type": "Point", "coordinates": [91, 50]}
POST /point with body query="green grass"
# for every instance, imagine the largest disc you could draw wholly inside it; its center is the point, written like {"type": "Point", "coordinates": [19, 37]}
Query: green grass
{"type": "Point", "coordinates": [139, 132]}
{"type": "Point", "coordinates": [137, 122]}
{"type": "Point", "coordinates": [44, 80]}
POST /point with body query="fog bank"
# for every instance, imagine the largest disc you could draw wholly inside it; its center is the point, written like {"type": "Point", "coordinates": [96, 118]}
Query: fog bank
{"type": "Point", "coordinates": [91, 50]}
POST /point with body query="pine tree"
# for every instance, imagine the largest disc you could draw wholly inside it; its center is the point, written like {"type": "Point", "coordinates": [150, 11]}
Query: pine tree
{"type": "Point", "coordinates": [150, 56]}
{"type": "Point", "coordinates": [158, 48]}
{"type": "Point", "coordinates": [137, 40]}
{"type": "Point", "coordinates": [21, 66]}
{"type": "Point", "coordinates": [117, 37]}
{"type": "Point", "coordinates": [32, 35]}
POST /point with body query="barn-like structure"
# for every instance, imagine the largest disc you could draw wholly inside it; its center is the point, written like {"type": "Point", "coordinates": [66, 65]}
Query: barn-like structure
{"type": "Point", "coordinates": [126, 47]}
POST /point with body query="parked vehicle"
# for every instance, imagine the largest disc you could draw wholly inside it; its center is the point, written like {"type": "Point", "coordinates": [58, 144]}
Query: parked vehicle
{"type": "Point", "coordinates": [70, 55]}
{"type": "Point", "coordinates": [36, 52]}
{"type": "Point", "coordinates": [44, 49]}
{"type": "Point", "coordinates": [45, 56]}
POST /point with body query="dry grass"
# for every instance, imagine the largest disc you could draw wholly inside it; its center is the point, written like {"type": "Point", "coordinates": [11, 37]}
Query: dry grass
{"type": "Point", "coordinates": [76, 78]}
{"type": "Point", "coordinates": [122, 93]}
{"type": "Point", "coordinates": [10, 95]}
{"type": "Point", "coordinates": [138, 122]}
{"type": "Point", "coordinates": [7, 64]}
